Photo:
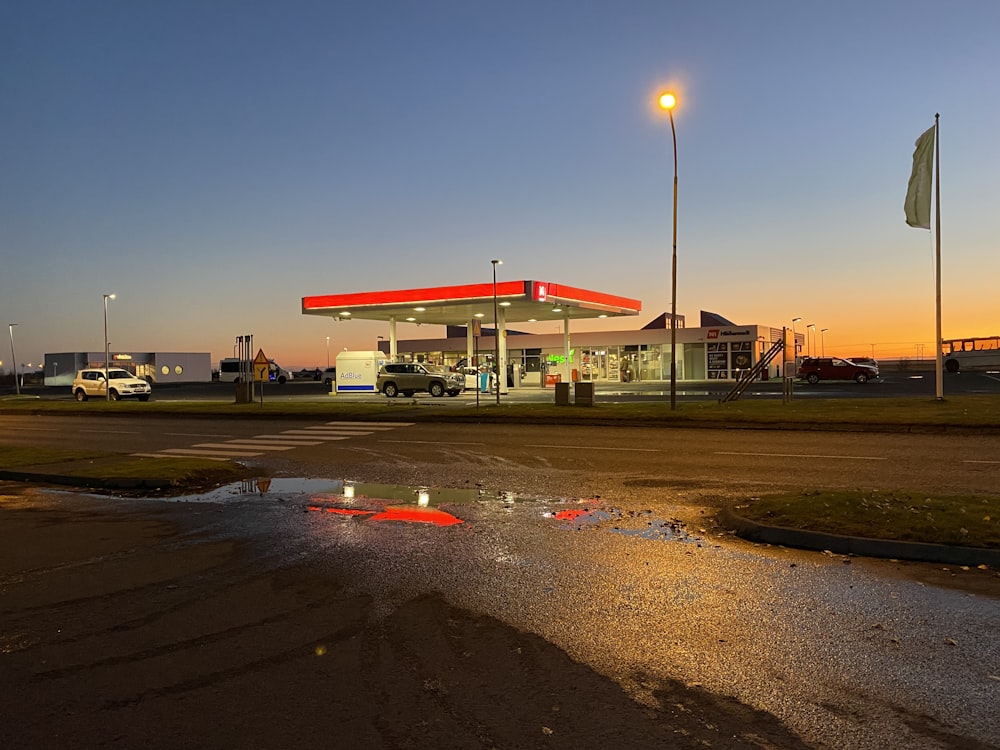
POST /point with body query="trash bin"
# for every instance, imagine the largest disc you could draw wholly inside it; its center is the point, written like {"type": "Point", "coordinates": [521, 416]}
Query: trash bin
{"type": "Point", "coordinates": [584, 393]}
{"type": "Point", "coordinates": [562, 394]}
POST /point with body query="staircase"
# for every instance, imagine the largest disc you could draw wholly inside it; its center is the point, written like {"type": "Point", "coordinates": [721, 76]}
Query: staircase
{"type": "Point", "coordinates": [754, 372]}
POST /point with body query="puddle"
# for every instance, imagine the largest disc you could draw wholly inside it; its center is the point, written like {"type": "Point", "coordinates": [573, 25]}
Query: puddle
{"type": "Point", "coordinates": [379, 503]}
{"type": "Point", "coordinates": [297, 488]}
{"type": "Point", "coordinates": [640, 524]}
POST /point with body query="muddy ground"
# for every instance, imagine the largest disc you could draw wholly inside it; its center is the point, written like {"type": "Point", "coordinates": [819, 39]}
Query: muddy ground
{"type": "Point", "coordinates": [123, 629]}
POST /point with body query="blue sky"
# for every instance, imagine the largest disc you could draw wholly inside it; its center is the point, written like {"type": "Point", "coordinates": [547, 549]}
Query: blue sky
{"type": "Point", "coordinates": [211, 163]}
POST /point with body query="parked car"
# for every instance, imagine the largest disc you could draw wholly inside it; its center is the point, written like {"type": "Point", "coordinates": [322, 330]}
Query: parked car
{"type": "Point", "coordinates": [309, 374]}
{"type": "Point", "coordinates": [329, 376]}
{"type": "Point", "coordinates": [815, 369]}
{"type": "Point", "coordinates": [91, 383]}
{"type": "Point", "coordinates": [408, 378]}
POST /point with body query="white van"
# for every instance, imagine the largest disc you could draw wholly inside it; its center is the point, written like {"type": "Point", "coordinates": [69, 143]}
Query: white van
{"type": "Point", "coordinates": [232, 370]}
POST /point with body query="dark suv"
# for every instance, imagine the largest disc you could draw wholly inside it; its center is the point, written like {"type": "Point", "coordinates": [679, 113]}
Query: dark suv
{"type": "Point", "coordinates": [408, 378]}
{"type": "Point", "coordinates": [815, 369]}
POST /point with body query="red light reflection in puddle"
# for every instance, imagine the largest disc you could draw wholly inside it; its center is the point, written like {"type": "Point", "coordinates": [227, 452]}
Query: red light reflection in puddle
{"type": "Point", "coordinates": [417, 515]}
{"type": "Point", "coordinates": [406, 515]}
{"type": "Point", "coordinates": [570, 515]}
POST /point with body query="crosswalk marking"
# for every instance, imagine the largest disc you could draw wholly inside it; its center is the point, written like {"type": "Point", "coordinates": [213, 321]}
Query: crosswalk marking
{"type": "Point", "coordinates": [316, 435]}
{"type": "Point", "coordinates": [261, 446]}
{"type": "Point", "coordinates": [213, 452]}
{"type": "Point", "coordinates": [285, 440]}
{"type": "Point", "coordinates": [280, 444]}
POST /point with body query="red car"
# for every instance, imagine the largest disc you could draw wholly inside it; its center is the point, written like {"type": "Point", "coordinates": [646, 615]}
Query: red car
{"type": "Point", "coordinates": [815, 369]}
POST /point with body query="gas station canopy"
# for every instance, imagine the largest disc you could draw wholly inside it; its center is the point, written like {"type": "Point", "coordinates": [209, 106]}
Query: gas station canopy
{"type": "Point", "coordinates": [520, 301]}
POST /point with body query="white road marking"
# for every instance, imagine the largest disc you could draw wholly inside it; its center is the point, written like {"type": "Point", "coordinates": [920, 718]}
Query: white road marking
{"type": "Point", "coordinates": [592, 447]}
{"type": "Point", "coordinates": [336, 431]}
{"type": "Point", "coordinates": [973, 461]}
{"type": "Point", "coordinates": [801, 455]}
{"type": "Point", "coordinates": [256, 446]}
{"type": "Point", "coordinates": [291, 439]}
{"type": "Point", "coordinates": [286, 440]}
{"type": "Point", "coordinates": [455, 443]}
{"type": "Point", "coordinates": [255, 442]}
{"type": "Point", "coordinates": [164, 455]}
{"type": "Point", "coordinates": [314, 435]}
{"type": "Point", "coordinates": [198, 434]}
{"type": "Point", "coordinates": [196, 452]}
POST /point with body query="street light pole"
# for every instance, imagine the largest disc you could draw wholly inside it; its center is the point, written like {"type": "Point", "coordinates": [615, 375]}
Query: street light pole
{"type": "Point", "coordinates": [795, 341]}
{"type": "Point", "coordinates": [668, 102]}
{"type": "Point", "coordinates": [812, 327]}
{"type": "Point", "coordinates": [107, 347]}
{"type": "Point", "coordinates": [13, 358]}
{"type": "Point", "coordinates": [327, 352]}
{"type": "Point", "coordinates": [822, 341]}
{"type": "Point", "coordinates": [496, 329]}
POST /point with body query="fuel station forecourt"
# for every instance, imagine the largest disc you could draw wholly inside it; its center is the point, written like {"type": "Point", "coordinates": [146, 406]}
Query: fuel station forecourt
{"type": "Point", "coordinates": [717, 350]}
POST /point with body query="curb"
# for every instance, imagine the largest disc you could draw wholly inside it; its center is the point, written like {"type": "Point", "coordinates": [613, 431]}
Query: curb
{"type": "Point", "coordinates": [861, 546]}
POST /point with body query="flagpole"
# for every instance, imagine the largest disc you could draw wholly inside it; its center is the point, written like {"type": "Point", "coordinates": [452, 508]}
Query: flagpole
{"type": "Point", "coordinates": [938, 363]}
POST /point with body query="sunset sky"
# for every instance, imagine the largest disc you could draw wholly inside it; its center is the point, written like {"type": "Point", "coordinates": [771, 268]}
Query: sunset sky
{"type": "Point", "coordinates": [211, 162]}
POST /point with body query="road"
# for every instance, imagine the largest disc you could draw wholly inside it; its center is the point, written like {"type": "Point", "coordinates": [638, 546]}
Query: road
{"type": "Point", "coordinates": [642, 587]}
{"type": "Point", "coordinates": [683, 457]}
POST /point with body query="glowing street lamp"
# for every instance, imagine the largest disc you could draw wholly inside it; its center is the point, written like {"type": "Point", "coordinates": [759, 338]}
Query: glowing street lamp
{"type": "Point", "coordinates": [327, 352]}
{"type": "Point", "coordinates": [668, 101]}
{"type": "Point", "coordinates": [13, 358]}
{"type": "Point", "coordinates": [822, 341]}
{"type": "Point", "coordinates": [812, 327]}
{"type": "Point", "coordinates": [107, 347]}
{"type": "Point", "coordinates": [496, 330]}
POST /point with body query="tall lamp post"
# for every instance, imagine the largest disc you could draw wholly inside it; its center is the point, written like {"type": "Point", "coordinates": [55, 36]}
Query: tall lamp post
{"type": "Point", "coordinates": [812, 327]}
{"type": "Point", "coordinates": [327, 352]}
{"type": "Point", "coordinates": [107, 347]}
{"type": "Point", "coordinates": [496, 329]}
{"type": "Point", "coordinates": [795, 341]}
{"type": "Point", "coordinates": [668, 102]}
{"type": "Point", "coordinates": [13, 358]}
{"type": "Point", "coordinates": [822, 341]}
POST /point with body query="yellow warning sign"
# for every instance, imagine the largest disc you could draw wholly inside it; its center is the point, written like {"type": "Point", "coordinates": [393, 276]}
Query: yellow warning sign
{"type": "Point", "coordinates": [261, 366]}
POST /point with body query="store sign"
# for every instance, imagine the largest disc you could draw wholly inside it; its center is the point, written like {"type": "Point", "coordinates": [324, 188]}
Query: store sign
{"type": "Point", "coordinates": [540, 291]}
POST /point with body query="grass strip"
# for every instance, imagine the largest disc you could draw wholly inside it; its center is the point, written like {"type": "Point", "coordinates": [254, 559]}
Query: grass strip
{"type": "Point", "coordinates": [119, 466]}
{"type": "Point", "coordinates": [966, 520]}
{"type": "Point", "coordinates": [911, 414]}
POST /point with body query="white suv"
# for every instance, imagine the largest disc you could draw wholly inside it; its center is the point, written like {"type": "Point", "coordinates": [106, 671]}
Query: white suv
{"type": "Point", "coordinates": [124, 384]}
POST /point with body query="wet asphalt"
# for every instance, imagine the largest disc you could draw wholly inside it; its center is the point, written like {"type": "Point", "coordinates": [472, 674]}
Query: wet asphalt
{"type": "Point", "coordinates": [846, 652]}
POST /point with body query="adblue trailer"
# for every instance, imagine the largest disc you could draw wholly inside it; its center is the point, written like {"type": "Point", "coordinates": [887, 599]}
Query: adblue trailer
{"type": "Point", "coordinates": [358, 371]}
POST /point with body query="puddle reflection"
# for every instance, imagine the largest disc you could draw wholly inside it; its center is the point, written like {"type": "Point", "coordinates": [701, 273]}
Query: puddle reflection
{"type": "Point", "coordinates": [379, 503]}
